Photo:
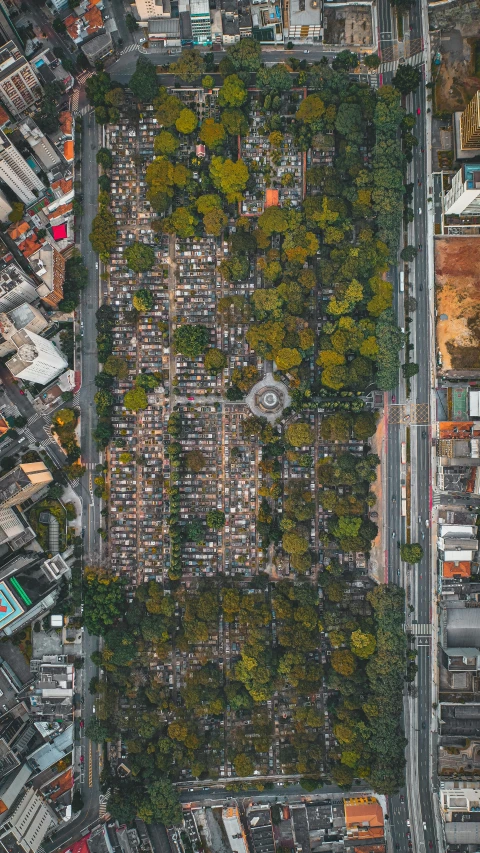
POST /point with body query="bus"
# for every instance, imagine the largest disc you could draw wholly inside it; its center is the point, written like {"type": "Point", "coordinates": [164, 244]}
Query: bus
{"type": "Point", "coordinates": [403, 456]}
{"type": "Point", "coordinates": [402, 282]}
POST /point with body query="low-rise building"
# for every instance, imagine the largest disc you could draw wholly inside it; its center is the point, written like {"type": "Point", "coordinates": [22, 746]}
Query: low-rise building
{"type": "Point", "coordinates": [24, 316]}
{"type": "Point", "coordinates": [164, 31]}
{"type": "Point", "coordinates": [23, 482]}
{"type": "Point", "coordinates": [305, 20]}
{"type": "Point", "coordinates": [49, 69]}
{"type": "Point", "coordinates": [98, 48]}
{"type": "Point", "coordinates": [51, 696]}
{"type": "Point", "coordinates": [49, 265]}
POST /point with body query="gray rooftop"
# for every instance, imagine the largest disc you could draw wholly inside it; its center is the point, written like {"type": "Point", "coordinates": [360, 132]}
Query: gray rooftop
{"type": "Point", "coordinates": [463, 627]}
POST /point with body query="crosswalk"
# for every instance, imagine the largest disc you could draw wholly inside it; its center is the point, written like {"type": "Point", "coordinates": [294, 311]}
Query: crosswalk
{"type": "Point", "coordinates": [104, 798]}
{"type": "Point", "coordinates": [392, 65]}
{"type": "Point", "coordinates": [29, 435]}
{"type": "Point", "coordinates": [421, 630]}
{"type": "Point", "coordinates": [129, 49]}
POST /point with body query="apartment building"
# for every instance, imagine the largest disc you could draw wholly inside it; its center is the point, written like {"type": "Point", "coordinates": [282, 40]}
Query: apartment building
{"type": "Point", "coordinates": [28, 824]}
{"type": "Point", "coordinates": [52, 694]}
{"type": "Point", "coordinates": [152, 9]}
{"type": "Point", "coordinates": [36, 360]}
{"type": "Point", "coordinates": [42, 148]}
{"type": "Point", "coordinates": [16, 287]}
{"type": "Point", "coordinates": [25, 316]}
{"type": "Point", "coordinates": [20, 87]}
{"type": "Point", "coordinates": [23, 482]}
{"type": "Point", "coordinates": [470, 125]}
{"type": "Point", "coordinates": [463, 198]}
{"type": "Point", "coordinates": [16, 173]}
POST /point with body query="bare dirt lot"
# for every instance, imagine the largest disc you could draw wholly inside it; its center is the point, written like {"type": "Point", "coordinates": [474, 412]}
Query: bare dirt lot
{"type": "Point", "coordinates": [456, 82]}
{"type": "Point", "coordinates": [457, 274]}
{"type": "Point", "coordinates": [348, 25]}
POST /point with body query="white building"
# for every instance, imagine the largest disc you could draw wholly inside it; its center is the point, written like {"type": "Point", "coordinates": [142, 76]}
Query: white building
{"type": "Point", "coordinates": [24, 317]}
{"type": "Point", "coordinates": [463, 198]}
{"type": "Point", "coordinates": [16, 287]}
{"type": "Point", "coordinates": [5, 207]}
{"type": "Point", "coordinates": [59, 5]}
{"type": "Point", "coordinates": [36, 360]}
{"type": "Point", "coordinates": [28, 824]}
{"type": "Point", "coordinates": [20, 87]}
{"type": "Point", "coordinates": [41, 147]}
{"type": "Point", "coordinates": [16, 173]}
{"type": "Point", "coordinates": [305, 20]}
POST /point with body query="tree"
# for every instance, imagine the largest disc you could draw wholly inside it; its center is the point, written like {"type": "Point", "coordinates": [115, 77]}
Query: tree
{"type": "Point", "coordinates": [208, 81]}
{"type": "Point", "coordinates": [311, 109]}
{"type": "Point", "coordinates": [135, 399]}
{"type": "Point", "coordinates": [407, 79]}
{"type": "Point", "coordinates": [275, 79]}
{"type": "Point", "coordinates": [186, 121]}
{"type": "Point", "coordinates": [362, 645]}
{"type": "Point", "coordinates": [214, 222]}
{"type": "Point", "coordinates": [364, 425]}
{"type": "Point", "coordinates": [190, 340]}
{"type": "Point", "coordinates": [310, 784]}
{"type": "Point", "coordinates": [104, 158]}
{"type": "Point", "coordinates": [181, 222]}
{"type": "Point", "coordinates": [96, 87]}
{"type": "Point", "coordinates": [189, 66]}
{"type": "Point", "coordinates": [233, 92]}
{"type": "Point", "coordinates": [345, 61]}
{"type": "Point", "coordinates": [104, 600]}
{"type": "Point", "coordinates": [115, 366]}
{"type": "Point", "coordinates": [274, 220]}
{"type": "Point", "coordinates": [234, 122]}
{"type": "Point", "coordinates": [215, 519]}
{"type": "Point", "coordinates": [409, 253]}
{"type": "Point", "coordinates": [245, 55]}
{"type": "Point", "coordinates": [229, 177]}
{"type": "Point", "coordinates": [411, 553]}
{"type": "Point", "coordinates": [372, 60]}
{"type": "Point", "coordinates": [212, 133]}
{"type": "Point", "coordinates": [243, 765]}
{"type": "Point", "coordinates": [294, 543]}
{"type": "Point", "coordinates": [143, 299]}
{"type": "Point", "coordinates": [96, 730]}
{"type": "Point", "coordinates": [139, 257]}
{"type": "Point", "coordinates": [299, 434]}
{"type": "Point", "coordinates": [410, 369]}
{"type": "Point", "coordinates": [167, 108]}
{"type": "Point", "coordinates": [144, 82]}
{"type": "Point", "coordinates": [343, 662]}
{"type": "Point", "coordinates": [103, 236]}
{"type": "Point", "coordinates": [287, 357]}
{"type": "Point", "coordinates": [165, 143]}
{"type": "Point", "coordinates": [336, 427]}
{"type": "Point", "coordinates": [195, 460]}
{"type": "Point", "coordinates": [16, 213]}
{"type": "Point", "coordinates": [215, 360]}
{"type": "Point", "coordinates": [161, 804]}
{"type": "Point", "coordinates": [131, 23]}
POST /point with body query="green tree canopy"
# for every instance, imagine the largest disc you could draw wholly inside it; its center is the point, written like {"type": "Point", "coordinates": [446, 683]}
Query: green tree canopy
{"type": "Point", "coordinates": [104, 158]}
{"type": "Point", "coordinates": [165, 143]}
{"type": "Point", "coordinates": [233, 92]}
{"type": "Point", "coordinates": [186, 121]}
{"type": "Point", "coordinates": [229, 177]}
{"type": "Point", "coordinates": [299, 434]}
{"type": "Point", "coordinates": [191, 340]}
{"type": "Point", "coordinates": [245, 55]}
{"type": "Point", "coordinates": [215, 519]}
{"type": "Point", "coordinates": [135, 399]}
{"type": "Point", "coordinates": [212, 133]}
{"type": "Point", "coordinates": [411, 553]}
{"type": "Point", "coordinates": [189, 66]}
{"type": "Point", "coordinates": [143, 299]}
{"type": "Point", "coordinates": [104, 600]}
{"type": "Point", "coordinates": [407, 79]}
{"type": "Point", "coordinates": [139, 257]}
{"type": "Point", "coordinates": [215, 360]}
{"type": "Point", "coordinates": [144, 81]}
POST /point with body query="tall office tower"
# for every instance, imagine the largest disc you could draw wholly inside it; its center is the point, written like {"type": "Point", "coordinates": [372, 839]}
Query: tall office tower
{"type": "Point", "coordinates": [20, 88]}
{"type": "Point", "coordinates": [16, 173]}
{"type": "Point", "coordinates": [200, 17]}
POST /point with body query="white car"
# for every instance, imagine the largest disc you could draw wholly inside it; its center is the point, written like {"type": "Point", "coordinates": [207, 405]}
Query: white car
{"type": "Point", "coordinates": [96, 265]}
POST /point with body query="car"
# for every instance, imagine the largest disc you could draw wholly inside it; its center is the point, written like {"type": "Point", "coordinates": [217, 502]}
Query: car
{"type": "Point", "coordinates": [408, 824]}
{"type": "Point", "coordinates": [424, 726]}
{"type": "Point", "coordinates": [393, 534]}
{"type": "Point", "coordinates": [398, 572]}
{"type": "Point", "coordinates": [394, 399]}
{"type": "Point", "coordinates": [82, 724]}
{"type": "Point", "coordinates": [418, 111]}
{"type": "Point", "coordinates": [430, 844]}
{"type": "Point", "coordinates": [306, 51]}
{"type": "Point", "coordinates": [22, 392]}
{"type": "Point", "coordinates": [190, 398]}
{"type": "Point", "coordinates": [419, 211]}
{"type": "Point", "coordinates": [424, 826]}
{"type": "Point", "coordinates": [427, 522]}
{"type": "Point", "coordinates": [143, 40]}
{"type": "Point", "coordinates": [394, 499]}
{"type": "Point", "coordinates": [82, 759]}
{"type": "Point", "coordinates": [96, 265]}
{"type": "Point", "coordinates": [402, 798]}
{"type": "Point", "coordinates": [424, 433]}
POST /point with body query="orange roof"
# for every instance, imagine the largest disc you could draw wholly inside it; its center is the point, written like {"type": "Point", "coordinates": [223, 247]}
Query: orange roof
{"type": "Point", "coordinates": [30, 245]}
{"type": "Point", "coordinates": [3, 426]}
{"type": "Point", "coordinates": [271, 198]}
{"type": "Point", "coordinates": [61, 784]}
{"type": "Point", "coordinates": [364, 817]}
{"type": "Point", "coordinates": [68, 149]}
{"type": "Point", "coordinates": [72, 24]}
{"type": "Point", "coordinates": [93, 19]}
{"type": "Point", "coordinates": [66, 122]}
{"type": "Point", "coordinates": [455, 429]}
{"type": "Point", "coordinates": [370, 848]}
{"type": "Point", "coordinates": [462, 569]}
{"type": "Point", "coordinates": [64, 185]}
{"type": "Point", "coordinates": [61, 210]}
{"type": "Point", "coordinates": [17, 229]}
{"type": "Point", "coordinates": [4, 117]}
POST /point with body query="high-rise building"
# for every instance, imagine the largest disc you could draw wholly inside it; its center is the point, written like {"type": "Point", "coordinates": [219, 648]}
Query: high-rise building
{"type": "Point", "coordinates": [20, 87]}
{"type": "Point", "coordinates": [42, 148]}
{"type": "Point", "coordinates": [152, 9]}
{"type": "Point", "coordinates": [22, 483]}
{"type": "Point", "coordinates": [24, 317]}
{"type": "Point", "coordinates": [470, 124]}
{"type": "Point", "coordinates": [15, 287]}
{"type": "Point", "coordinates": [28, 824]}
{"type": "Point", "coordinates": [5, 207]}
{"type": "Point", "coordinates": [200, 17]}
{"type": "Point", "coordinates": [16, 173]}
{"type": "Point", "coordinates": [463, 198]}
{"type": "Point", "coordinates": [36, 360]}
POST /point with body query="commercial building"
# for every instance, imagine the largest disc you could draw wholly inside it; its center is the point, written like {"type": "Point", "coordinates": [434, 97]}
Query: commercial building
{"type": "Point", "coordinates": [36, 360]}
{"type": "Point", "coordinates": [51, 696]}
{"type": "Point", "coordinates": [233, 828]}
{"type": "Point", "coordinates": [16, 173]}
{"type": "Point", "coordinates": [23, 482]}
{"type": "Point", "coordinates": [28, 824]}
{"type": "Point", "coordinates": [200, 18]}
{"type": "Point", "coordinates": [16, 287]}
{"type": "Point", "coordinates": [305, 23]}
{"type": "Point", "coordinates": [364, 819]}
{"type": "Point", "coordinates": [45, 153]}
{"type": "Point", "coordinates": [14, 533]}
{"type": "Point", "coordinates": [5, 207]}
{"type": "Point", "coordinates": [25, 316]}
{"type": "Point", "coordinates": [20, 87]}
{"type": "Point", "coordinates": [50, 69]}
{"type": "Point", "coordinates": [470, 125]}
{"type": "Point", "coordinates": [98, 48]}
{"type": "Point", "coordinates": [148, 9]}
{"type": "Point", "coordinates": [165, 32]}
